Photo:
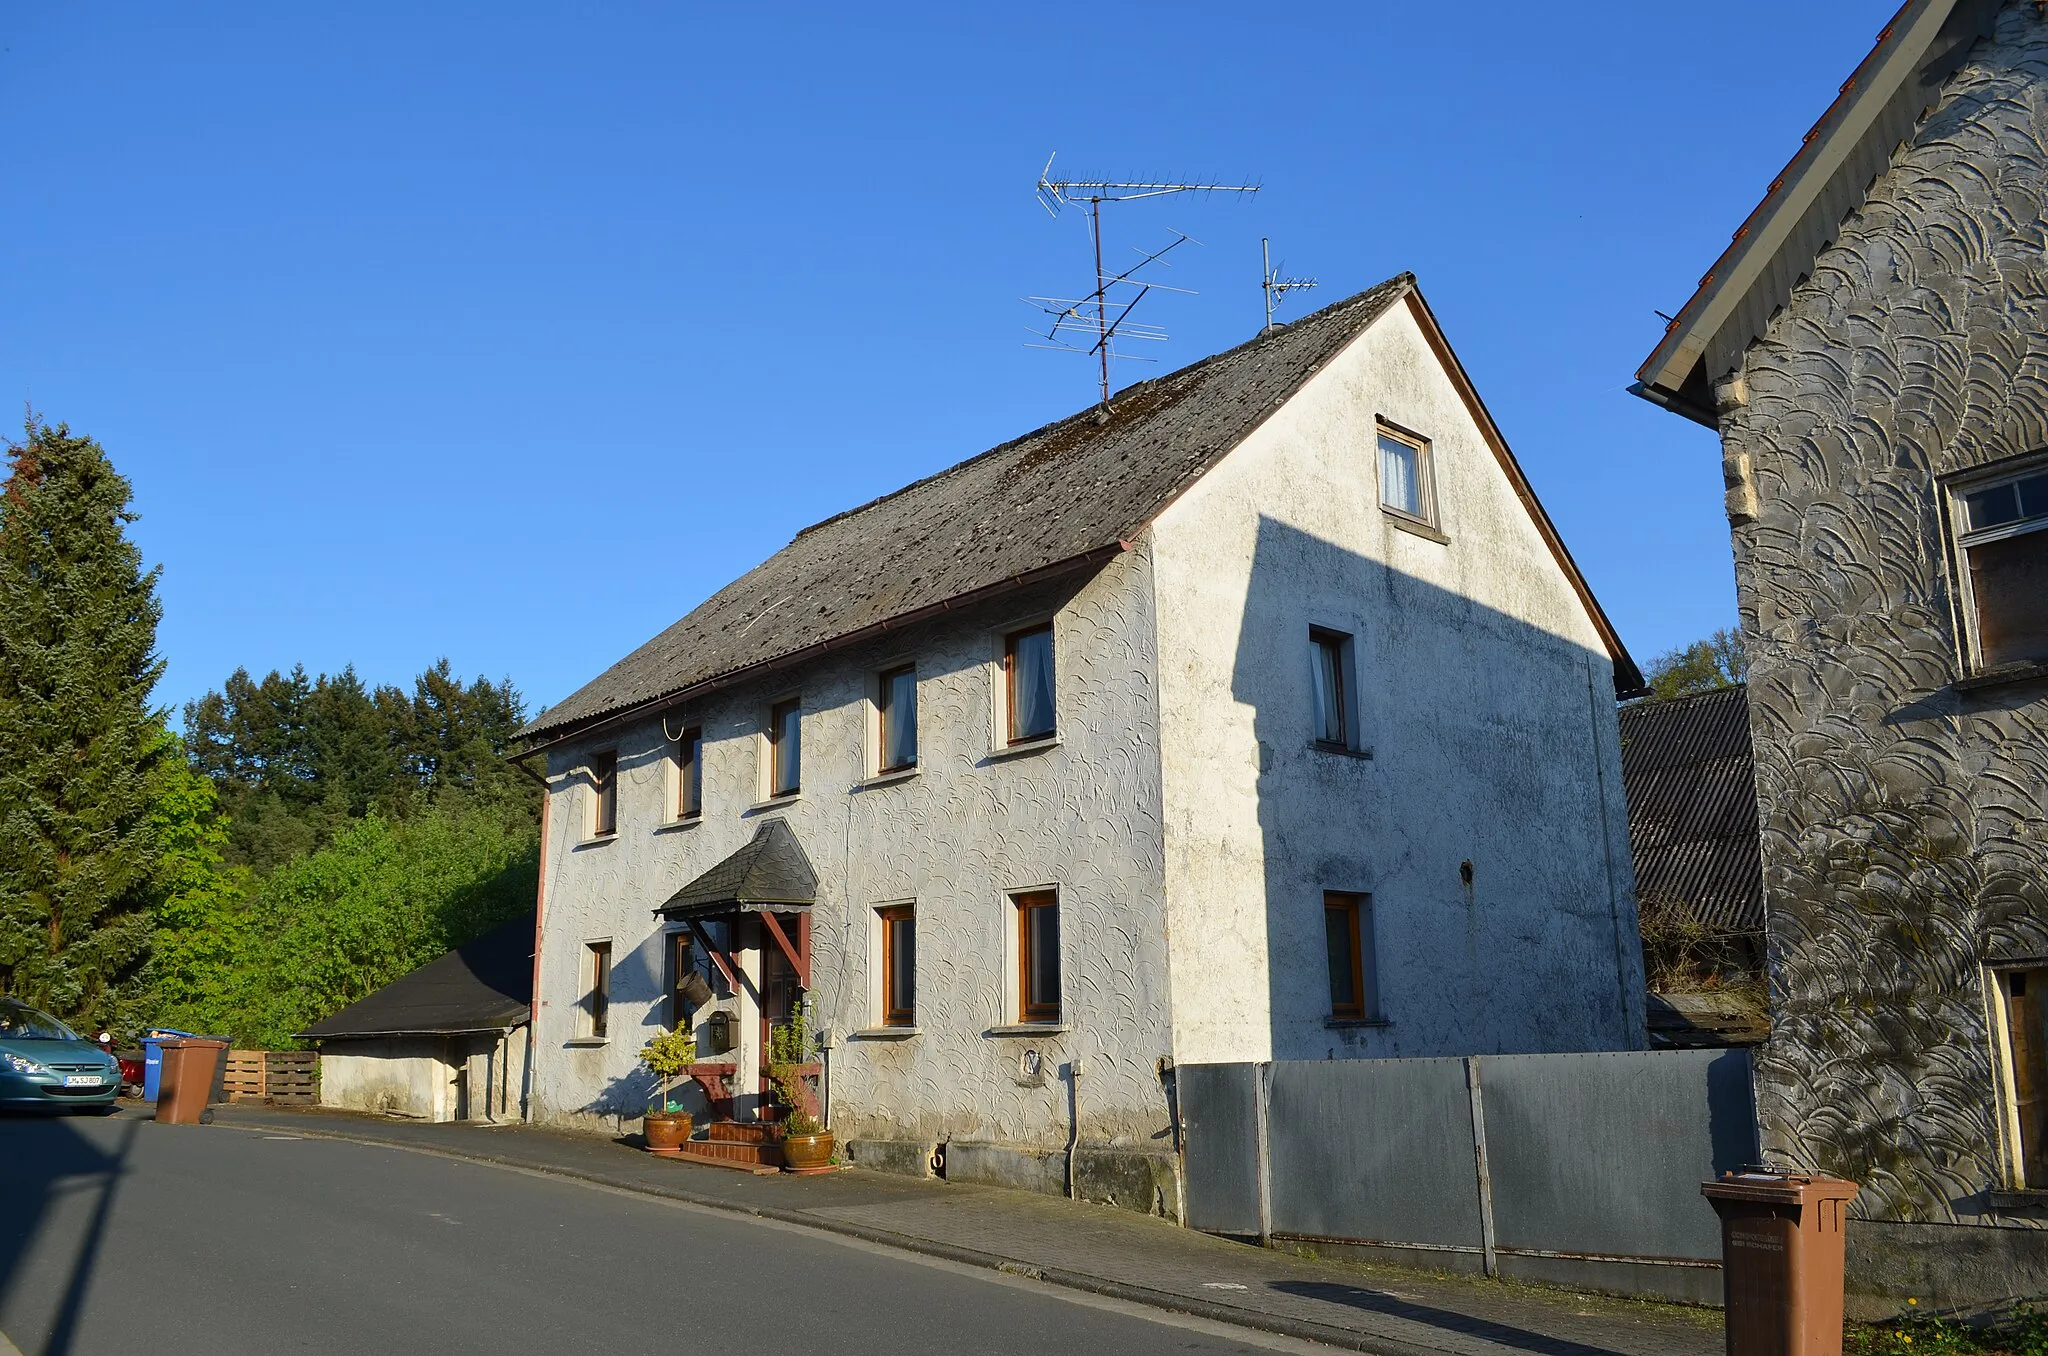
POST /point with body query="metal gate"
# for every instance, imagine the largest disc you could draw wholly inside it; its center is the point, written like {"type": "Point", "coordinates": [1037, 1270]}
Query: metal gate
{"type": "Point", "coordinates": [1582, 1169]}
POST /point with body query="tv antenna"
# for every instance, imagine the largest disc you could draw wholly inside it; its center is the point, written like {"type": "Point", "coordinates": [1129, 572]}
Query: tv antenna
{"type": "Point", "coordinates": [1275, 286]}
{"type": "Point", "coordinates": [1093, 313]}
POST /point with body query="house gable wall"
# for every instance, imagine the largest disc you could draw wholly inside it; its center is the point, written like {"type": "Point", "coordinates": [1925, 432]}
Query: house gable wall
{"type": "Point", "coordinates": [1905, 835]}
{"type": "Point", "coordinates": [1485, 696]}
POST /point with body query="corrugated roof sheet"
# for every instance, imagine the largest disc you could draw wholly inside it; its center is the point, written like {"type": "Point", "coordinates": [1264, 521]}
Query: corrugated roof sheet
{"type": "Point", "coordinates": [1692, 815]}
{"type": "Point", "coordinates": [482, 985]}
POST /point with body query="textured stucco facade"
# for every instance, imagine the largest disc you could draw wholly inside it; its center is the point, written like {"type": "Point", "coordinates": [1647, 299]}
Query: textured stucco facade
{"type": "Point", "coordinates": [1904, 826]}
{"type": "Point", "coordinates": [1186, 822]}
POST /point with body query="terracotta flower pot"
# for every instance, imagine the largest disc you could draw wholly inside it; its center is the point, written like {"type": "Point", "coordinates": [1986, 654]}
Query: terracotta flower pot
{"type": "Point", "coordinates": [666, 1130]}
{"type": "Point", "coordinates": [807, 1151]}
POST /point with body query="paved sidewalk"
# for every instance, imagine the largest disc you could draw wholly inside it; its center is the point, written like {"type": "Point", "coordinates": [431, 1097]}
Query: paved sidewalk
{"type": "Point", "coordinates": [1389, 1310]}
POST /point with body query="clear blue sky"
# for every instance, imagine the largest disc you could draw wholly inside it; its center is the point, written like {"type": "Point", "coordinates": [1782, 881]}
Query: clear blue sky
{"type": "Point", "coordinates": [509, 333]}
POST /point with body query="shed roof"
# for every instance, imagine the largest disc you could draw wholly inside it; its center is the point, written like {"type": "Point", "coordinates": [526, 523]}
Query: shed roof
{"type": "Point", "coordinates": [1803, 208]}
{"type": "Point", "coordinates": [1065, 497]}
{"type": "Point", "coordinates": [482, 985]}
{"type": "Point", "coordinates": [771, 872]}
{"type": "Point", "coordinates": [1692, 818]}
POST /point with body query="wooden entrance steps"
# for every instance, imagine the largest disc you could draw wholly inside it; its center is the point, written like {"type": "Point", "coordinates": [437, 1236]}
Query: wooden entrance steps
{"type": "Point", "coordinates": [727, 1144]}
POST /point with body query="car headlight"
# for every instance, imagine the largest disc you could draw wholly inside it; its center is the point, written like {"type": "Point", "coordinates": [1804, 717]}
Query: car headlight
{"type": "Point", "coordinates": [21, 1064]}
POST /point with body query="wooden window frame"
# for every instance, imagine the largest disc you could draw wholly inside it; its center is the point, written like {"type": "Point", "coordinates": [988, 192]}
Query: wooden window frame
{"type": "Point", "coordinates": [604, 793]}
{"type": "Point", "coordinates": [1353, 905]}
{"type": "Point", "coordinates": [1012, 737]}
{"type": "Point", "coordinates": [1027, 902]}
{"type": "Point", "coordinates": [776, 790]}
{"type": "Point", "coordinates": [1965, 538]}
{"type": "Point", "coordinates": [2014, 1075]}
{"type": "Point", "coordinates": [1322, 638]}
{"type": "Point", "coordinates": [597, 1001]}
{"type": "Point", "coordinates": [1425, 474]}
{"type": "Point", "coordinates": [689, 798]}
{"type": "Point", "coordinates": [894, 1012]}
{"type": "Point", "coordinates": [883, 710]}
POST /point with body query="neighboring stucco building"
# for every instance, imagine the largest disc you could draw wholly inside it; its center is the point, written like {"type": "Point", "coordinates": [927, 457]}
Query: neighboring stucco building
{"type": "Point", "coordinates": [447, 1042]}
{"type": "Point", "coordinates": [1260, 714]}
{"type": "Point", "coordinates": [1873, 349]}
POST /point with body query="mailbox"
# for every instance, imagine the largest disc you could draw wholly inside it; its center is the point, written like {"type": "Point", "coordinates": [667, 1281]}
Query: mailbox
{"type": "Point", "coordinates": [719, 1033]}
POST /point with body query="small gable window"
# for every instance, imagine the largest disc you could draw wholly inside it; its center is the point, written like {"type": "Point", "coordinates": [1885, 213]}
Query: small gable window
{"type": "Point", "coordinates": [2004, 548]}
{"type": "Point", "coordinates": [1406, 481]}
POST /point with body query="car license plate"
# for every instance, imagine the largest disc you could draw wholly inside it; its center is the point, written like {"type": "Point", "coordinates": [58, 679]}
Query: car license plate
{"type": "Point", "coordinates": [82, 1080]}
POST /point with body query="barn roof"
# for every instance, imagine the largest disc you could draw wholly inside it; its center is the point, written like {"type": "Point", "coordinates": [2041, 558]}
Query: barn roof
{"type": "Point", "coordinates": [482, 985]}
{"type": "Point", "coordinates": [1802, 209]}
{"type": "Point", "coordinates": [1066, 497]}
{"type": "Point", "coordinates": [1692, 818]}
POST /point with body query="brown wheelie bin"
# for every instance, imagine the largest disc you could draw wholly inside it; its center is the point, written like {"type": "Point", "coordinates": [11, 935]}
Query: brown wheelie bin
{"type": "Point", "coordinates": [1781, 1261]}
{"type": "Point", "coordinates": [187, 1082]}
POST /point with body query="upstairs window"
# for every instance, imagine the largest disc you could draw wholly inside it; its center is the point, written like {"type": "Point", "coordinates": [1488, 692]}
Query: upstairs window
{"type": "Point", "coordinates": [899, 965]}
{"type": "Point", "coordinates": [1329, 654]}
{"type": "Point", "coordinates": [690, 774]}
{"type": "Point", "coordinates": [1038, 956]}
{"type": "Point", "coordinates": [785, 748]}
{"type": "Point", "coordinates": [896, 707]}
{"type": "Point", "coordinates": [1028, 681]}
{"type": "Point", "coordinates": [604, 799]}
{"type": "Point", "coordinates": [2004, 547]}
{"type": "Point", "coordinates": [1347, 935]}
{"type": "Point", "coordinates": [1406, 485]}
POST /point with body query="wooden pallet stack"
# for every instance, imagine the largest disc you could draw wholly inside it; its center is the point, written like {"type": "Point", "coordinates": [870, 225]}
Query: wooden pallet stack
{"type": "Point", "coordinates": [280, 1077]}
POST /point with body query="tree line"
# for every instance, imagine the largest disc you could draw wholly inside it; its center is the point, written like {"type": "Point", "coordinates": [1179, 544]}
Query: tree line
{"type": "Point", "coordinates": [299, 844]}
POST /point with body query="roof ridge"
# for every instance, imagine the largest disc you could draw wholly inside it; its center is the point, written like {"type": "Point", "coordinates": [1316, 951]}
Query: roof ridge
{"type": "Point", "coordinates": [1405, 277]}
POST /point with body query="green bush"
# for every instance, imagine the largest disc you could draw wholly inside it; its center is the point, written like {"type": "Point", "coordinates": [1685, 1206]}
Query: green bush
{"type": "Point", "coordinates": [332, 927]}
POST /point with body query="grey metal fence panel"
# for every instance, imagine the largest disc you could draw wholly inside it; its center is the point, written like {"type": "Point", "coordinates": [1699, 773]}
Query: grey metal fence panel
{"type": "Point", "coordinates": [1219, 1111]}
{"type": "Point", "coordinates": [1376, 1150]}
{"type": "Point", "coordinates": [1604, 1153]}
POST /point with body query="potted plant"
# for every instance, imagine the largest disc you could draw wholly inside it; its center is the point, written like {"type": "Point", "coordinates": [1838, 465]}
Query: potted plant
{"type": "Point", "coordinates": [666, 1057]}
{"type": "Point", "coordinates": [806, 1143]}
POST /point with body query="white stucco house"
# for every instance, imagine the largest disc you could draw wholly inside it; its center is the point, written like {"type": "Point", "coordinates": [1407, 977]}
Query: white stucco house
{"type": "Point", "coordinates": [1259, 714]}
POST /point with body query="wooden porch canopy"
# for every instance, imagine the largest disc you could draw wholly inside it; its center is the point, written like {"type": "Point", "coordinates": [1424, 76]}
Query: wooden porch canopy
{"type": "Point", "coordinates": [769, 876]}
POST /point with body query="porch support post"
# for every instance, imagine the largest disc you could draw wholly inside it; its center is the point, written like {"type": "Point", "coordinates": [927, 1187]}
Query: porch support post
{"type": "Point", "coordinates": [799, 956]}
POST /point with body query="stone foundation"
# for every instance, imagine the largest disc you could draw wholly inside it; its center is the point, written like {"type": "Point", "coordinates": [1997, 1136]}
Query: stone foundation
{"type": "Point", "coordinates": [1135, 1179]}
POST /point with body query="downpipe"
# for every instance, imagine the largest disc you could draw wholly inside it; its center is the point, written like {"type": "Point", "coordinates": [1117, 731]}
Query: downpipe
{"type": "Point", "coordinates": [1074, 1070]}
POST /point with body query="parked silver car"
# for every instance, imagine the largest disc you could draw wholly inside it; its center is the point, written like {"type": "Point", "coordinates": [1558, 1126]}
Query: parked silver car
{"type": "Point", "coordinates": [44, 1063]}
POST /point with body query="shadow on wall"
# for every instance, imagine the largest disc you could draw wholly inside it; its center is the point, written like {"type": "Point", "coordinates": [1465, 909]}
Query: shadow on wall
{"type": "Point", "coordinates": [47, 1158]}
{"type": "Point", "coordinates": [1462, 805]}
{"type": "Point", "coordinates": [640, 982]}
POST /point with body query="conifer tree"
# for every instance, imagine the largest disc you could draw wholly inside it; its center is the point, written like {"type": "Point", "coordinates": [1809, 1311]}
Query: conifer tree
{"type": "Point", "coordinates": [81, 751]}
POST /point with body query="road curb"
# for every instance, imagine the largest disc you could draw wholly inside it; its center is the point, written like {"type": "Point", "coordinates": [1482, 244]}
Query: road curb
{"type": "Point", "coordinates": [1347, 1339]}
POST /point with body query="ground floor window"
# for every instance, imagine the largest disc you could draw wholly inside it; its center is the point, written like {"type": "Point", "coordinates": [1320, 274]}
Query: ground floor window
{"type": "Point", "coordinates": [2024, 996]}
{"type": "Point", "coordinates": [1347, 934]}
{"type": "Point", "coordinates": [597, 1002]}
{"type": "Point", "coordinates": [1038, 956]}
{"type": "Point", "coordinates": [899, 965]}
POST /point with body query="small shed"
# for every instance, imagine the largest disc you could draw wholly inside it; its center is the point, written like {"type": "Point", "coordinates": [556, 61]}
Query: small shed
{"type": "Point", "coordinates": [448, 1042]}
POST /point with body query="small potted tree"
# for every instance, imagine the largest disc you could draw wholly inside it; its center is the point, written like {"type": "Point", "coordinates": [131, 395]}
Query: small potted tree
{"type": "Point", "coordinates": [666, 1057]}
{"type": "Point", "coordinates": [806, 1143]}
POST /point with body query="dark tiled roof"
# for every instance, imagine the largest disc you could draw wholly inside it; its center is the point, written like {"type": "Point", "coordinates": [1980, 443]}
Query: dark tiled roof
{"type": "Point", "coordinates": [1692, 818]}
{"type": "Point", "coordinates": [483, 985]}
{"type": "Point", "coordinates": [771, 869]}
{"type": "Point", "coordinates": [1064, 493]}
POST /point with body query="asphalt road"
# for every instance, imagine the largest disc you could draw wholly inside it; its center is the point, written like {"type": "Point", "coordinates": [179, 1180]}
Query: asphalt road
{"type": "Point", "coordinates": [120, 1234]}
